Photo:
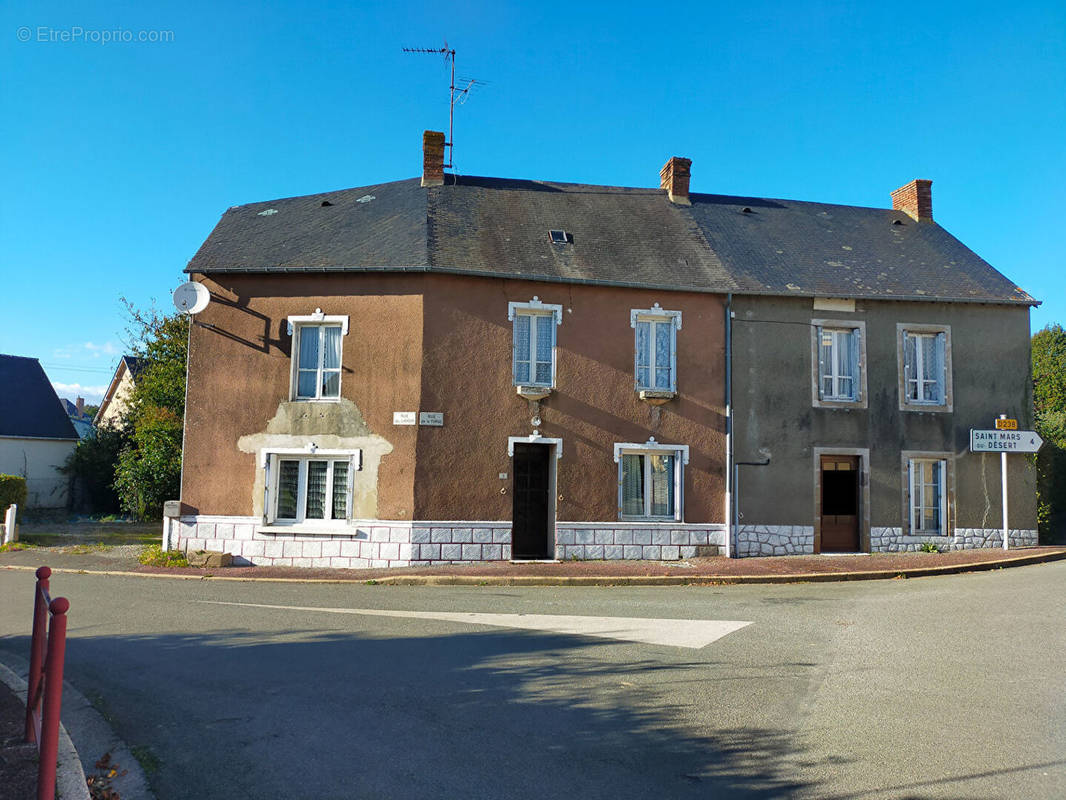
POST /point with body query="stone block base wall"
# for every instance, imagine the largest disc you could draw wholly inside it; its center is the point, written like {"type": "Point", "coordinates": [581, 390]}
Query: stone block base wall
{"type": "Point", "coordinates": [775, 540]}
{"type": "Point", "coordinates": [637, 541]}
{"type": "Point", "coordinates": [384, 543]}
{"type": "Point", "coordinates": [892, 540]}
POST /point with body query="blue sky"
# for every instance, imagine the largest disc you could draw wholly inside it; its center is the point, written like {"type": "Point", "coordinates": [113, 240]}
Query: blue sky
{"type": "Point", "coordinates": [119, 157]}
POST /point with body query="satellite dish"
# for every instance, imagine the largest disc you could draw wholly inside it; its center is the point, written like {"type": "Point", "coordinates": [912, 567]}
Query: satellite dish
{"type": "Point", "coordinates": [191, 298]}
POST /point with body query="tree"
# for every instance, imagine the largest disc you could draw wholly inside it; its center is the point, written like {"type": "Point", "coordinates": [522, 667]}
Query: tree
{"type": "Point", "coordinates": [149, 465]}
{"type": "Point", "coordinates": [1049, 401]}
{"type": "Point", "coordinates": [1049, 370]}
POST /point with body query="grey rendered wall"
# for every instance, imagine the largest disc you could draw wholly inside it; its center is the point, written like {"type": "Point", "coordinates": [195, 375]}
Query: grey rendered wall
{"type": "Point", "coordinates": [773, 409]}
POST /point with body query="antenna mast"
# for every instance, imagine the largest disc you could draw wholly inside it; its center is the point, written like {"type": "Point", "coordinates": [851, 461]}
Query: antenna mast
{"type": "Point", "coordinates": [449, 55]}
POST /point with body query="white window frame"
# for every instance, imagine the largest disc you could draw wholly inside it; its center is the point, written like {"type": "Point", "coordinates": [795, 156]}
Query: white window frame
{"type": "Point", "coordinates": [856, 328]}
{"type": "Point", "coordinates": [655, 314]}
{"type": "Point", "coordinates": [651, 447]}
{"type": "Point", "coordinates": [269, 461]}
{"type": "Point", "coordinates": [533, 308]}
{"type": "Point", "coordinates": [916, 497]}
{"type": "Point", "coordinates": [296, 324]}
{"type": "Point", "coordinates": [943, 381]}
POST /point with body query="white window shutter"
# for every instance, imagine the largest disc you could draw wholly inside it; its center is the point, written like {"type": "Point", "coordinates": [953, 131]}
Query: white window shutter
{"type": "Point", "coordinates": [856, 363]}
{"type": "Point", "coordinates": [909, 366]}
{"type": "Point", "coordinates": [354, 462]}
{"type": "Point", "coordinates": [268, 506]}
{"type": "Point", "coordinates": [514, 348]}
{"type": "Point", "coordinates": [941, 363]}
{"type": "Point", "coordinates": [911, 496]}
{"type": "Point", "coordinates": [823, 365]}
{"type": "Point", "coordinates": [942, 466]}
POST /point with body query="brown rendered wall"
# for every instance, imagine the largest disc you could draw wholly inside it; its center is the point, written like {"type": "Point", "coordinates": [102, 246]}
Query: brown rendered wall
{"type": "Point", "coordinates": [467, 375]}
{"type": "Point", "coordinates": [239, 372]}
{"type": "Point", "coordinates": [443, 343]}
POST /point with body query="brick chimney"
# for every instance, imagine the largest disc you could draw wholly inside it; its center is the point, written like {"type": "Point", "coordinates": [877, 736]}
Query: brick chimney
{"type": "Point", "coordinates": [674, 178]}
{"type": "Point", "coordinates": [432, 158]}
{"type": "Point", "coordinates": [79, 405]}
{"type": "Point", "coordinates": [915, 200]}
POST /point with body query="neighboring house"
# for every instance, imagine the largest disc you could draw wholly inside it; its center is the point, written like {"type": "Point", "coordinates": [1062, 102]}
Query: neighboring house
{"type": "Point", "coordinates": [117, 398]}
{"type": "Point", "coordinates": [36, 436]}
{"type": "Point", "coordinates": [460, 368]}
{"type": "Point", "coordinates": [82, 422]}
{"type": "Point", "coordinates": [867, 343]}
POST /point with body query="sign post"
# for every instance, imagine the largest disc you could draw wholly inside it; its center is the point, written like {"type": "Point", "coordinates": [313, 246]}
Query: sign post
{"type": "Point", "coordinates": [1003, 472]}
{"type": "Point", "coordinates": [1005, 439]}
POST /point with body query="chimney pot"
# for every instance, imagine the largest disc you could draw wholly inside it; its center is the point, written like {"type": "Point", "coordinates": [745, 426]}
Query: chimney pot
{"type": "Point", "coordinates": [915, 200]}
{"type": "Point", "coordinates": [432, 158]}
{"type": "Point", "coordinates": [674, 177]}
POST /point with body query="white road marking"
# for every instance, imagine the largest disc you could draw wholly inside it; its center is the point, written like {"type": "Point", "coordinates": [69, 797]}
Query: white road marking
{"type": "Point", "coordinates": [690, 633]}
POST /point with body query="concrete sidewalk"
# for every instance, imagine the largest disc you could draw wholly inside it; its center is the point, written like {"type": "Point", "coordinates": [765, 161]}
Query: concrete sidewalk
{"type": "Point", "coordinates": [778, 569]}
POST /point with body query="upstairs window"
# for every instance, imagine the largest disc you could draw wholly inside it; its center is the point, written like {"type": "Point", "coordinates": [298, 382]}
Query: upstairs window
{"type": "Point", "coordinates": [838, 364]}
{"type": "Point", "coordinates": [316, 356]}
{"type": "Point", "coordinates": [925, 367]}
{"type": "Point", "coordinates": [533, 342]}
{"type": "Point", "coordinates": [655, 350]}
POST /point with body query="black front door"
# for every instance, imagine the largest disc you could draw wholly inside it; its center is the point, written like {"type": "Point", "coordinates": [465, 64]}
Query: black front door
{"type": "Point", "coordinates": [840, 504]}
{"type": "Point", "coordinates": [532, 484]}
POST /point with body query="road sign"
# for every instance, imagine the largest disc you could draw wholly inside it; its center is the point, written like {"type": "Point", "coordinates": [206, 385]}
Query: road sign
{"type": "Point", "coordinates": [1004, 441]}
{"type": "Point", "coordinates": [1006, 424]}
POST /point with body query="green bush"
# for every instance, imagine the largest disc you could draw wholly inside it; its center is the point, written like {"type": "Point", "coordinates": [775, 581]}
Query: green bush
{"type": "Point", "coordinates": [93, 464]}
{"type": "Point", "coordinates": [12, 490]}
{"type": "Point", "coordinates": [928, 547]}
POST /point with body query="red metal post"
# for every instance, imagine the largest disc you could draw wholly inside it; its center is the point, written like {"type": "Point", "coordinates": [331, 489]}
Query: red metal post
{"type": "Point", "coordinates": [37, 645]}
{"type": "Point", "coordinates": [53, 699]}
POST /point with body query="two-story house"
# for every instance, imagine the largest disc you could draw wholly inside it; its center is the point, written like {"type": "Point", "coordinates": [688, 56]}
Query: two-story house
{"type": "Point", "coordinates": [449, 369]}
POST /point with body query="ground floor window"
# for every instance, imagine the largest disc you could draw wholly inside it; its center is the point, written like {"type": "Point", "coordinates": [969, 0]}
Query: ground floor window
{"type": "Point", "coordinates": [650, 480]}
{"type": "Point", "coordinates": [304, 487]}
{"type": "Point", "coordinates": [927, 478]}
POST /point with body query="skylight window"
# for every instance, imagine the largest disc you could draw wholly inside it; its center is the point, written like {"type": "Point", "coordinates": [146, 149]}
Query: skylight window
{"type": "Point", "coordinates": [560, 237]}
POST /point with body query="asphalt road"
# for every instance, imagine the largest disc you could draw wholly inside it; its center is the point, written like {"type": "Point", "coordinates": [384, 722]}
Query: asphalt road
{"type": "Point", "coordinates": [950, 687]}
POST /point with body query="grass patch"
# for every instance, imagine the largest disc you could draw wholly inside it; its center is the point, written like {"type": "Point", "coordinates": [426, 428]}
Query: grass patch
{"type": "Point", "coordinates": [154, 556]}
{"type": "Point", "coordinates": [11, 547]}
{"type": "Point", "coordinates": [147, 758]}
{"type": "Point", "coordinates": [88, 536]}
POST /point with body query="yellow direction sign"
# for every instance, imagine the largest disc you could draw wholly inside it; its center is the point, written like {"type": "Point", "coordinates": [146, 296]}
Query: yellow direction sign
{"type": "Point", "coordinates": [1006, 424]}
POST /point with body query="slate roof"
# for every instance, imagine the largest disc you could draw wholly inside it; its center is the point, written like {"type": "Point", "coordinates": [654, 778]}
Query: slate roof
{"type": "Point", "coordinates": [784, 247]}
{"type": "Point", "coordinates": [621, 236]}
{"type": "Point", "coordinates": [28, 404]}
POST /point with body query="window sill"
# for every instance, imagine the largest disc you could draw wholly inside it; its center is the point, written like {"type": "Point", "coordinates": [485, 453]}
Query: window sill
{"type": "Point", "coordinates": [648, 519]}
{"type": "Point", "coordinates": [916, 406]}
{"type": "Point", "coordinates": [656, 397]}
{"type": "Point", "coordinates": [308, 529]}
{"type": "Point", "coordinates": [533, 392]}
{"type": "Point", "coordinates": [315, 400]}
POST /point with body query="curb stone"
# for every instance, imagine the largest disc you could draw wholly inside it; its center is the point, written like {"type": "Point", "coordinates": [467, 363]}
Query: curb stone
{"type": "Point", "coordinates": [70, 777]}
{"type": "Point", "coordinates": [595, 580]}
{"type": "Point", "coordinates": [95, 737]}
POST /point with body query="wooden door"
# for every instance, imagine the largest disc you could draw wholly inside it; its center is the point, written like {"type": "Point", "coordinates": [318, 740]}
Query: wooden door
{"type": "Point", "coordinates": [530, 522]}
{"type": "Point", "coordinates": [840, 504]}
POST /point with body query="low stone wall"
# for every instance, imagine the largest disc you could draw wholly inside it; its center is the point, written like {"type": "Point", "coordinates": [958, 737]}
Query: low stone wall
{"type": "Point", "coordinates": [654, 541]}
{"type": "Point", "coordinates": [774, 540]}
{"type": "Point", "coordinates": [377, 543]}
{"type": "Point", "coordinates": [892, 540]}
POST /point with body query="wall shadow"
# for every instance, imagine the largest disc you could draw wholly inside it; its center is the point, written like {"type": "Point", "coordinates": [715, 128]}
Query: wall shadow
{"type": "Point", "coordinates": [473, 715]}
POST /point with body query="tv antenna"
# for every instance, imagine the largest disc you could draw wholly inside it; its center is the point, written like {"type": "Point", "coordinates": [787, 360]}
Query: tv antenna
{"type": "Point", "coordinates": [457, 94]}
